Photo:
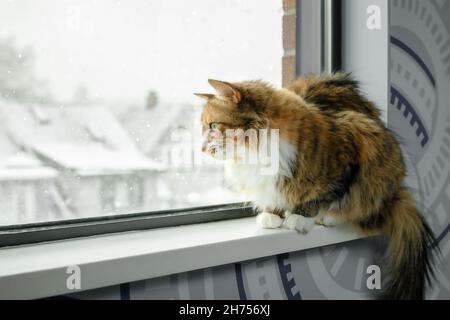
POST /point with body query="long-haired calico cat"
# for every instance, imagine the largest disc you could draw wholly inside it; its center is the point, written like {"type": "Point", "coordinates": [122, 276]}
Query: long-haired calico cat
{"type": "Point", "coordinates": [338, 163]}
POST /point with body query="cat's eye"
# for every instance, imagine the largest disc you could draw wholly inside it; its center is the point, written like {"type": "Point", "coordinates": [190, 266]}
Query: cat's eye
{"type": "Point", "coordinates": [213, 126]}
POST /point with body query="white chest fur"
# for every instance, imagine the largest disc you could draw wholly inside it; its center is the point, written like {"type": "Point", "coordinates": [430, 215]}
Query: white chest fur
{"type": "Point", "coordinates": [259, 188]}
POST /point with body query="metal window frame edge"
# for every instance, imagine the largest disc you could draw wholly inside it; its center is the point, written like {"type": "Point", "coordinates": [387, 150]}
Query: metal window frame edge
{"type": "Point", "coordinates": [319, 30]}
{"type": "Point", "coordinates": [77, 228]}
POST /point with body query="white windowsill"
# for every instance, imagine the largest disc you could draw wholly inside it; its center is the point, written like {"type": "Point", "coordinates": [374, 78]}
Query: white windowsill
{"type": "Point", "coordinates": [39, 270]}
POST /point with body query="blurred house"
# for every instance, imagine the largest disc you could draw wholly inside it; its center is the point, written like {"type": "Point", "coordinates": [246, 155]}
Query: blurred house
{"type": "Point", "coordinates": [172, 135]}
{"type": "Point", "coordinates": [155, 127]}
{"type": "Point", "coordinates": [28, 187]}
{"type": "Point", "coordinates": [96, 167]}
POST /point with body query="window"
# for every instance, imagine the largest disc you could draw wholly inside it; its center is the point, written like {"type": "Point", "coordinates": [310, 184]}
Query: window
{"type": "Point", "coordinates": [97, 116]}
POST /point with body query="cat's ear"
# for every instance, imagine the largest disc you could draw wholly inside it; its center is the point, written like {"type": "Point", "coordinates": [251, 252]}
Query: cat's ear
{"type": "Point", "coordinates": [205, 96]}
{"type": "Point", "coordinates": [226, 90]}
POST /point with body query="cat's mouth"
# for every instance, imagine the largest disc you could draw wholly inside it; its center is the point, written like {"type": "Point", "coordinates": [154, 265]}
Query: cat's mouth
{"type": "Point", "coordinates": [226, 151]}
{"type": "Point", "coordinates": [214, 150]}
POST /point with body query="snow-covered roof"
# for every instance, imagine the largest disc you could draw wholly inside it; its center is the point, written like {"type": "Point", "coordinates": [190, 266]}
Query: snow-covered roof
{"type": "Point", "coordinates": [88, 139]}
{"type": "Point", "coordinates": [16, 165]}
{"type": "Point", "coordinates": [27, 174]}
{"type": "Point", "coordinates": [19, 159]}
{"type": "Point", "coordinates": [93, 158]}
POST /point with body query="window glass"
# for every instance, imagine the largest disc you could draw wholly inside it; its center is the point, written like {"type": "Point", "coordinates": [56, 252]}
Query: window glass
{"type": "Point", "coordinates": [97, 115]}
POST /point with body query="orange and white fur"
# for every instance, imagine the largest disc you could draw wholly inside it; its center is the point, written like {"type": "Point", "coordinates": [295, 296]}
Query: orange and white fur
{"type": "Point", "coordinates": [337, 162]}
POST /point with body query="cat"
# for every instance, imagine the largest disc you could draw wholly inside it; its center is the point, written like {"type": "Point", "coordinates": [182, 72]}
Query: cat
{"type": "Point", "coordinates": [337, 163]}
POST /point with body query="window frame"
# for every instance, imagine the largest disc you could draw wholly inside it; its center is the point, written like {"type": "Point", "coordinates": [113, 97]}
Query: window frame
{"type": "Point", "coordinates": [319, 29]}
{"type": "Point", "coordinates": [15, 235]}
{"type": "Point", "coordinates": [326, 20]}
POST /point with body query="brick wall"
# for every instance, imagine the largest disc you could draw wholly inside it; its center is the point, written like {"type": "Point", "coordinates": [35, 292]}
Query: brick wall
{"type": "Point", "coordinates": [289, 43]}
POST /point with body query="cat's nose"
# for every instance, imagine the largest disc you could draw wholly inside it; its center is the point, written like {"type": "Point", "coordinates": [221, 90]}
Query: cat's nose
{"type": "Point", "coordinates": [204, 148]}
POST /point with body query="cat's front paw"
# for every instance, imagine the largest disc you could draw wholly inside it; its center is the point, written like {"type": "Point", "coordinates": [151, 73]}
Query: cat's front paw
{"type": "Point", "coordinates": [266, 220]}
{"type": "Point", "coordinates": [299, 223]}
{"type": "Point", "coordinates": [327, 221]}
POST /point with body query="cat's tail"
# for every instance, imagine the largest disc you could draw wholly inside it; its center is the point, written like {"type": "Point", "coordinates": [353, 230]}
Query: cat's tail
{"type": "Point", "coordinates": [411, 242]}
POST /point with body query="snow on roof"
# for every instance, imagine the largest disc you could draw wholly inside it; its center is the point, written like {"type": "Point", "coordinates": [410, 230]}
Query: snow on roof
{"type": "Point", "coordinates": [26, 174]}
{"type": "Point", "coordinates": [21, 166]}
{"type": "Point", "coordinates": [80, 138]}
{"type": "Point", "coordinates": [15, 165]}
{"type": "Point", "coordinates": [93, 157]}
{"type": "Point", "coordinates": [19, 160]}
